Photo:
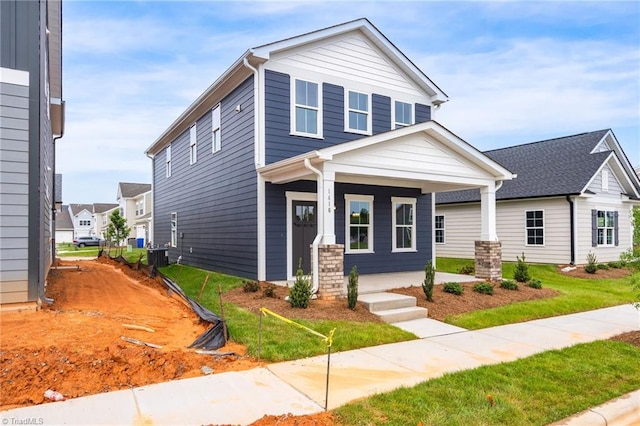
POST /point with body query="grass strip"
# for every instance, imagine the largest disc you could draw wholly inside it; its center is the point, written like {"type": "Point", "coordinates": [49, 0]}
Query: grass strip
{"type": "Point", "coordinates": [280, 341]}
{"type": "Point", "coordinates": [576, 295]}
{"type": "Point", "coordinates": [536, 390]}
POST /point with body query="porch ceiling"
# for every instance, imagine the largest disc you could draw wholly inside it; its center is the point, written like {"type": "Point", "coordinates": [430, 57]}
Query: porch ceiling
{"type": "Point", "coordinates": [425, 156]}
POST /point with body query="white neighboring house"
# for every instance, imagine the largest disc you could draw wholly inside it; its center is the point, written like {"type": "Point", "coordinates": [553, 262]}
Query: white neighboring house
{"type": "Point", "coordinates": [135, 201]}
{"type": "Point", "coordinates": [101, 213]}
{"type": "Point", "coordinates": [82, 218]}
{"type": "Point", "coordinates": [572, 195]}
{"type": "Point", "coordinates": [64, 226]}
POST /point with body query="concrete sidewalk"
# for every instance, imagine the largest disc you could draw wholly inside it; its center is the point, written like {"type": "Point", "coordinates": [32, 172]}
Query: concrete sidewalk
{"type": "Point", "coordinates": [298, 387]}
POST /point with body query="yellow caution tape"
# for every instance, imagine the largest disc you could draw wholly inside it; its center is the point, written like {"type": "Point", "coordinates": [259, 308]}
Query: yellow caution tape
{"type": "Point", "coordinates": [328, 339]}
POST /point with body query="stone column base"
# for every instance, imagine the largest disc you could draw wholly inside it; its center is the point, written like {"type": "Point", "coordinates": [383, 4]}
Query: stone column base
{"type": "Point", "coordinates": [489, 260]}
{"type": "Point", "coordinates": [330, 271]}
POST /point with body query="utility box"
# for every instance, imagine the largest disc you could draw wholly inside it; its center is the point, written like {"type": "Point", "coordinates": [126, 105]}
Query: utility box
{"type": "Point", "coordinates": [158, 257]}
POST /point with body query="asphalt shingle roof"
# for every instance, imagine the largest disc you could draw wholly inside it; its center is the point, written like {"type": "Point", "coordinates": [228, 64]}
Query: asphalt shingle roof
{"type": "Point", "coordinates": [103, 207]}
{"type": "Point", "coordinates": [77, 208]}
{"type": "Point", "coordinates": [63, 219]}
{"type": "Point", "coordinates": [129, 190]}
{"type": "Point", "coordinates": [559, 166]}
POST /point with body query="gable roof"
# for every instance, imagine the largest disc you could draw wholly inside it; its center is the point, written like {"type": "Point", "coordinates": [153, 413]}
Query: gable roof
{"type": "Point", "coordinates": [239, 71]}
{"type": "Point", "coordinates": [554, 167]}
{"type": "Point", "coordinates": [77, 208]}
{"type": "Point", "coordinates": [130, 190]}
{"type": "Point", "coordinates": [376, 160]}
{"type": "Point", "coordinates": [103, 207]}
{"type": "Point", "coordinates": [63, 219]}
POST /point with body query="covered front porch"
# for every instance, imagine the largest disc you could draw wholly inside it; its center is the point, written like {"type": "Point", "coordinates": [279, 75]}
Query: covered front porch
{"type": "Point", "coordinates": [425, 158]}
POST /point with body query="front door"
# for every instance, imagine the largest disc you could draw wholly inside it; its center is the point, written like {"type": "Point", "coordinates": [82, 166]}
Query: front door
{"type": "Point", "coordinates": [303, 232]}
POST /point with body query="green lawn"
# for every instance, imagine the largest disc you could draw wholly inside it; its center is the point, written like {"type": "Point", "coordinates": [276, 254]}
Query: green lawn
{"type": "Point", "coordinates": [537, 390]}
{"type": "Point", "coordinates": [280, 341]}
{"type": "Point", "coordinates": [576, 295]}
{"type": "Point", "coordinates": [68, 250]}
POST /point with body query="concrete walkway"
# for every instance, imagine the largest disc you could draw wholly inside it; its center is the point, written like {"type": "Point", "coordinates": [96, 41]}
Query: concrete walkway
{"type": "Point", "coordinates": [298, 387]}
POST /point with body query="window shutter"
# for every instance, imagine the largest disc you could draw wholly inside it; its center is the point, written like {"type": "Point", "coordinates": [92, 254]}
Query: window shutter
{"type": "Point", "coordinates": [615, 231]}
{"type": "Point", "coordinates": [594, 228]}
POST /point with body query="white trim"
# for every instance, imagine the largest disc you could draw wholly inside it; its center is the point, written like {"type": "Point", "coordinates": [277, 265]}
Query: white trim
{"type": "Point", "coordinates": [173, 243]}
{"type": "Point", "coordinates": [291, 197]}
{"type": "Point", "coordinates": [394, 122]}
{"type": "Point", "coordinates": [347, 225]}
{"type": "Point", "coordinates": [414, 245]}
{"type": "Point", "coordinates": [293, 104]}
{"type": "Point", "coordinates": [193, 144]}
{"type": "Point", "coordinates": [348, 109]}
{"type": "Point", "coordinates": [11, 76]}
{"type": "Point", "coordinates": [526, 228]}
{"type": "Point", "coordinates": [433, 234]}
{"type": "Point", "coordinates": [167, 161]}
{"type": "Point", "coordinates": [262, 229]}
{"type": "Point", "coordinates": [444, 221]}
{"type": "Point", "coordinates": [605, 227]}
{"type": "Point", "coordinates": [219, 129]}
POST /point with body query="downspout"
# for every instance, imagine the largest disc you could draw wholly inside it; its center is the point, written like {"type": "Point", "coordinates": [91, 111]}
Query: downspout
{"type": "Point", "coordinates": [258, 160]}
{"type": "Point", "coordinates": [320, 221]}
{"type": "Point", "coordinates": [572, 230]}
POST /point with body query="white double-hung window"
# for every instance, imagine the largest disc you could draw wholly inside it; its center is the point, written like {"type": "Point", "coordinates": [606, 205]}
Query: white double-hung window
{"type": "Point", "coordinates": [404, 224]}
{"type": "Point", "coordinates": [358, 113]}
{"type": "Point", "coordinates": [306, 109]}
{"type": "Point", "coordinates": [174, 229]}
{"type": "Point", "coordinates": [168, 161]}
{"type": "Point", "coordinates": [402, 114]}
{"type": "Point", "coordinates": [193, 144]}
{"type": "Point", "coordinates": [359, 232]}
{"type": "Point", "coordinates": [216, 141]}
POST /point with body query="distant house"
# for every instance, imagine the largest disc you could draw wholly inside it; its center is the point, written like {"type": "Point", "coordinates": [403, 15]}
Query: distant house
{"type": "Point", "coordinates": [101, 213]}
{"type": "Point", "coordinates": [31, 119]}
{"type": "Point", "coordinates": [136, 202]}
{"type": "Point", "coordinates": [64, 226]}
{"type": "Point", "coordinates": [319, 148]}
{"type": "Point", "coordinates": [572, 195]}
{"type": "Point", "coordinates": [83, 221]}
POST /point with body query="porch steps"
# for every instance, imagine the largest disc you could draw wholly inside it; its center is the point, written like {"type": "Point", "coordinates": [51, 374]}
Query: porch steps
{"type": "Point", "coordinates": [391, 307]}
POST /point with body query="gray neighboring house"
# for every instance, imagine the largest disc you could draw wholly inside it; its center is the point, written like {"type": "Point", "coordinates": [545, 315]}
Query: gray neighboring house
{"type": "Point", "coordinates": [320, 148]}
{"type": "Point", "coordinates": [572, 195]}
{"type": "Point", "coordinates": [31, 119]}
{"type": "Point", "coordinates": [64, 226]}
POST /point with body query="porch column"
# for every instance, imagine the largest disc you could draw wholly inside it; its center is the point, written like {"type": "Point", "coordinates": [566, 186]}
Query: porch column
{"type": "Point", "coordinates": [488, 251]}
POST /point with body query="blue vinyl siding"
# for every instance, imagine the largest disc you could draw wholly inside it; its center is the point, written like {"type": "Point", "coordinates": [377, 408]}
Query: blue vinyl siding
{"type": "Point", "coordinates": [280, 144]}
{"type": "Point", "coordinates": [215, 198]}
{"type": "Point", "coordinates": [423, 113]}
{"type": "Point", "coordinates": [381, 113]}
{"type": "Point", "coordinates": [382, 260]}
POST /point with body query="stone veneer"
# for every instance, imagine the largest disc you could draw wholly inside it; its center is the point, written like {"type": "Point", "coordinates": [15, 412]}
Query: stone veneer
{"type": "Point", "coordinates": [489, 260]}
{"type": "Point", "coordinates": [330, 271]}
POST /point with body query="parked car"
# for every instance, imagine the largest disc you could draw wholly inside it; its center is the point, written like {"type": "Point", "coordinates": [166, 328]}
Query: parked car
{"type": "Point", "coordinates": [88, 241]}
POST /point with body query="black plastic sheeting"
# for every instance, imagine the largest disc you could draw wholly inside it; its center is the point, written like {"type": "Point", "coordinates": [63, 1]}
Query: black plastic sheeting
{"type": "Point", "coordinates": [214, 337]}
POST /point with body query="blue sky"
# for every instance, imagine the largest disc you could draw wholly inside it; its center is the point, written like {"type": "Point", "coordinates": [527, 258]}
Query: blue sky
{"type": "Point", "coordinates": [515, 72]}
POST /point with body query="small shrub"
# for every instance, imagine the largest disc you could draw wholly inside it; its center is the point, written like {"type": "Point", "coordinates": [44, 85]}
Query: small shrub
{"type": "Point", "coordinates": [467, 270]}
{"type": "Point", "coordinates": [453, 288]}
{"type": "Point", "coordinates": [269, 290]}
{"type": "Point", "coordinates": [352, 288]}
{"type": "Point", "coordinates": [614, 265]}
{"type": "Point", "coordinates": [250, 286]}
{"type": "Point", "coordinates": [484, 288]}
{"type": "Point", "coordinates": [429, 279]}
{"type": "Point", "coordinates": [509, 285]}
{"type": "Point", "coordinates": [300, 293]}
{"type": "Point", "coordinates": [521, 271]}
{"type": "Point", "coordinates": [592, 263]}
{"type": "Point", "coordinates": [535, 283]}
{"type": "Point", "coordinates": [602, 266]}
